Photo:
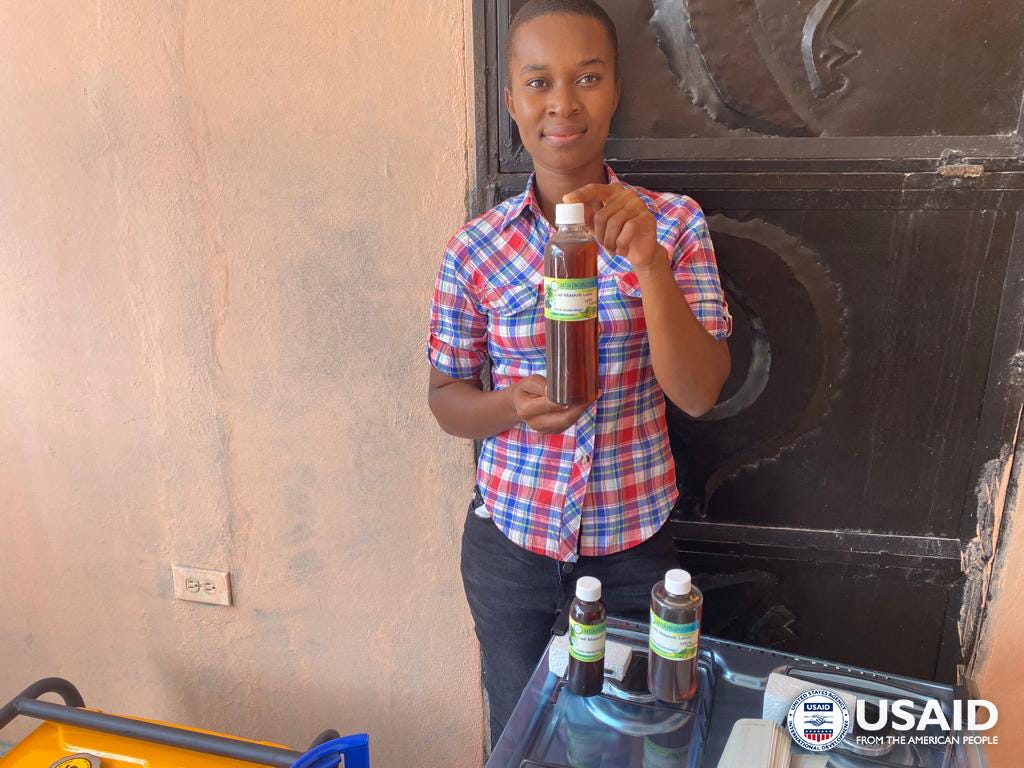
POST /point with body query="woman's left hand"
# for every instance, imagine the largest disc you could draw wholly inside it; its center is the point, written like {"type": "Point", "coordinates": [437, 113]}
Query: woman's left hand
{"type": "Point", "coordinates": [621, 222]}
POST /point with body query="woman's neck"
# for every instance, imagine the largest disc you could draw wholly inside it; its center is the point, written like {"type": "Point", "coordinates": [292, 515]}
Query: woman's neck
{"type": "Point", "coordinates": [550, 186]}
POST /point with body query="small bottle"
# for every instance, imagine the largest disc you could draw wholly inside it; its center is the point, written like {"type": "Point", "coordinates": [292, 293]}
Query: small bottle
{"type": "Point", "coordinates": [675, 638]}
{"type": "Point", "coordinates": [570, 308]}
{"type": "Point", "coordinates": [586, 739]}
{"type": "Point", "coordinates": [672, 749]}
{"type": "Point", "coordinates": [587, 634]}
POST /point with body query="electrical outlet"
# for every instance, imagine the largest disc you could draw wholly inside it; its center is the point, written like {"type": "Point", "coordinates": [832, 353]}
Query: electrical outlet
{"type": "Point", "coordinates": [201, 585]}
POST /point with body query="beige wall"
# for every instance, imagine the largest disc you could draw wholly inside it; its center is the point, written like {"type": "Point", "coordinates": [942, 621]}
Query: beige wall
{"type": "Point", "coordinates": [1000, 672]}
{"type": "Point", "coordinates": [219, 227]}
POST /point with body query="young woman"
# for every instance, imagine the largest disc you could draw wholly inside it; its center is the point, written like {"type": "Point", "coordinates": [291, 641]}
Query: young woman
{"type": "Point", "coordinates": [584, 490]}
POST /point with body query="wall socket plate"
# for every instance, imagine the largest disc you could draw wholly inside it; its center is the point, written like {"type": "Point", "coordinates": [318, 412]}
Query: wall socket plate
{"type": "Point", "coordinates": [201, 585]}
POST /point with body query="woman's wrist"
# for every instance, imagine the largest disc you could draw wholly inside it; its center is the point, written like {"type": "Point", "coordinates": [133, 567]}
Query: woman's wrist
{"type": "Point", "coordinates": [509, 405]}
{"type": "Point", "coordinates": [658, 269]}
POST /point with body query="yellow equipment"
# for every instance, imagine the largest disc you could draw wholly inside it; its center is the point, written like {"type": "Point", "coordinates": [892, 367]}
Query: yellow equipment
{"type": "Point", "coordinates": [74, 737]}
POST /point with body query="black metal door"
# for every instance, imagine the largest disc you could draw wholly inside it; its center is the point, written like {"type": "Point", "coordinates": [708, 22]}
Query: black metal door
{"type": "Point", "coordinates": [860, 164]}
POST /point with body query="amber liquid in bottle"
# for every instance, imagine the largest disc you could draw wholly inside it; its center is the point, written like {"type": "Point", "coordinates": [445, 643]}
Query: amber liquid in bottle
{"type": "Point", "coordinates": [587, 634]}
{"type": "Point", "coordinates": [570, 312]}
{"type": "Point", "coordinates": [676, 607]}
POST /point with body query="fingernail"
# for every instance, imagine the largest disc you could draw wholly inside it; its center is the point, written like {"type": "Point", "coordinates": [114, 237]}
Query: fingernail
{"type": "Point", "coordinates": [570, 198]}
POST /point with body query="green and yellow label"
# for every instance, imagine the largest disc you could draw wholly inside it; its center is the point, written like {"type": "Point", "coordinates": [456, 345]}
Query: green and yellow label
{"type": "Point", "coordinates": [675, 642]}
{"type": "Point", "coordinates": [586, 641]}
{"type": "Point", "coordinates": [570, 298]}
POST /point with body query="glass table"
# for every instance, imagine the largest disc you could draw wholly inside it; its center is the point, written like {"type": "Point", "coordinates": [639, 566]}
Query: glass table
{"type": "Point", "coordinates": [625, 727]}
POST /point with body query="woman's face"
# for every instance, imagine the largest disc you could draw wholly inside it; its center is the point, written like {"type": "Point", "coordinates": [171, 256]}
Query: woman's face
{"type": "Point", "coordinates": [563, 90]}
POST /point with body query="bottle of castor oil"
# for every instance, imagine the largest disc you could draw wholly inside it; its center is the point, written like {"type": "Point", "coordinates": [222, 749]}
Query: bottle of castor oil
{"type": "Point", "coordinates": [587, 635]}
{"type": "Point", "coordinates": [674, 645]}
{"type": "Point", "coordinates": [570, 308]}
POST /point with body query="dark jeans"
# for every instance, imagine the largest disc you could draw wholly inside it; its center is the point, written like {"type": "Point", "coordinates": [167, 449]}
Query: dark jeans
{"type": "Point", "coordinates": [516, 595]}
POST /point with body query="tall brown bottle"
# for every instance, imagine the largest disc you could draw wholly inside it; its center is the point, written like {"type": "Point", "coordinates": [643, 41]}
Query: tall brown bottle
{"type": "Point", "coordinates": [676, 607]}
{"type": "Point", "coordinates": [587, 634]}
{"type": "Point", "coordinates": [570, 308]}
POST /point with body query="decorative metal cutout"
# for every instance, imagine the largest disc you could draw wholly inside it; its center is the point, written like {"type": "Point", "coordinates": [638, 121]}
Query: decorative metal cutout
{"type": "Point", "coordinates": [730, 65]}
{"type": "Point", "coordinates": [701, 40]}
{"type": "Point", "coordinates": [754, 257]}
{"type": "Point", "coordinates": [824, 54]}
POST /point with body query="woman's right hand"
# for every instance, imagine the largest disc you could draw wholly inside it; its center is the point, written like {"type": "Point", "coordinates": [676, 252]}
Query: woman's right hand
{"type": "Point", "coordinates": [530, 400]}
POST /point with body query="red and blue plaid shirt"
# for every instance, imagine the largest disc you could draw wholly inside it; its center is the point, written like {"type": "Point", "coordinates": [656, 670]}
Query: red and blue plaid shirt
{"type": "Point", "coordinates": [608, 482]}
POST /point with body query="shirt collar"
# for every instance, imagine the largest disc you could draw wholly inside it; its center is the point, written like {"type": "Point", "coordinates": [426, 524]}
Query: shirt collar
{"type": "Point", "coordinates": [527, 199]}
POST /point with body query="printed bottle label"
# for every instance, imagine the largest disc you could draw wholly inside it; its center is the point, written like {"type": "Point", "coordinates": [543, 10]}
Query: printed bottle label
{"type": "Point", "coordinates": [584, 749]}
{"type": "Point", "coordinates": [570, 298]}
{"type": "Point", "coordinates": [586, 641]}
{"type": "Point", "coordinates": [657, 756]}
{"type": "Point", "coordinates": [675, 642]}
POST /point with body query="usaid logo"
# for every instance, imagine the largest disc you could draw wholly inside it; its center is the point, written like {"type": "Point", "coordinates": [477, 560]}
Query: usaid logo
{"type": "Point", "coordinates": [818, 720]}
{"type": "Point", "coordinates": [903, 716]}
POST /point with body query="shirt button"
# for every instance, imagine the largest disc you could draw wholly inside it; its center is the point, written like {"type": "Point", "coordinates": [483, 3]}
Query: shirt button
{"type": "Point", "coordinates": [568, 567]}
{"type": "Point", "coordinates": [585, 461]}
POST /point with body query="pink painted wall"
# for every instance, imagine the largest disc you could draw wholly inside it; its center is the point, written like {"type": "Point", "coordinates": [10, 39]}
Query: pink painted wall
{"type": "Point", "coordinates": [219, 227]}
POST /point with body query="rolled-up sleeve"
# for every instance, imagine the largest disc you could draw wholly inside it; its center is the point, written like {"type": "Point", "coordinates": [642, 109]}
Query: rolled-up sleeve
{"type": "Point", "coordinates": [696, 271]}
{"type": "Point", "coordinates": [458, 329]}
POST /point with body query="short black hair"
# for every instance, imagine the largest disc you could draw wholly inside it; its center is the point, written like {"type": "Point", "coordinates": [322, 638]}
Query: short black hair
{"type": "Point", "coordinates": [534, 9]}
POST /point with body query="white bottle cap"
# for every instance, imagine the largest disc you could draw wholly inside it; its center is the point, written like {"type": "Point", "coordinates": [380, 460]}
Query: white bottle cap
{"type": "Point", "coordinates": [569, 213]}
{"type": "Point", "coordinates": [588, 589]}
{"type": "Point", "coordinates": [677, 582]}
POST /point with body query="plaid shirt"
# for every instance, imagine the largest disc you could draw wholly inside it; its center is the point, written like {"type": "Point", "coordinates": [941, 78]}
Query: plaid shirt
{"type": "Point", "coordinates": [608, 482]}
